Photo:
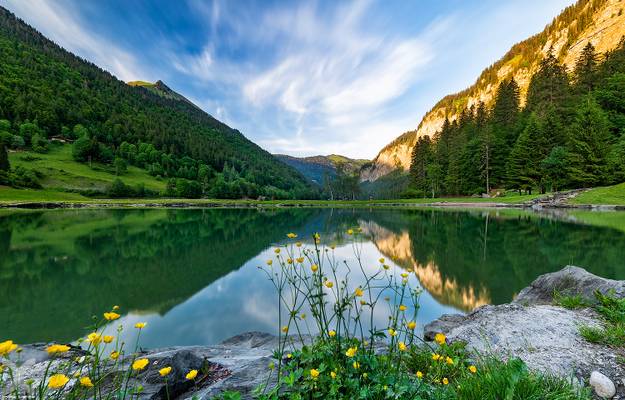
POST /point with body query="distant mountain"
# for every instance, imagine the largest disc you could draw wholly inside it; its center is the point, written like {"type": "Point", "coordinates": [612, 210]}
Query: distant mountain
{"type": "Point", "coordinates": [48, 92]}
{"type": "Point", "coordinates": [600, 22]}
{"type": "Point", "coordinates": [316, 167]}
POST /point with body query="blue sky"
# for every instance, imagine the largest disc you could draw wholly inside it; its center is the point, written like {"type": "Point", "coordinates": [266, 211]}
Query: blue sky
{"type": "Point", "coordinates": [297, 77]}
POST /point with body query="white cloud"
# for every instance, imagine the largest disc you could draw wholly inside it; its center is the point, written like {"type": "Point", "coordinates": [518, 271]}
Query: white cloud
{"type": "Point", "coordinates": [66, 30]}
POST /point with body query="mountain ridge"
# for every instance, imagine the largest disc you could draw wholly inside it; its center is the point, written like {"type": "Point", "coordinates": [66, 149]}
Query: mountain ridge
{"type": "Point", "coordinates": [316, 167]}
{"type": "Point", "coordinates": [601, 22]}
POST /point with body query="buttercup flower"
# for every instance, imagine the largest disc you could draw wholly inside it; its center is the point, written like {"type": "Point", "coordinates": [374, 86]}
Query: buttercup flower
{"type": "Point", "coordinates": [402, 346]}
{"type": "Point", "coordinates": [139, 364]}
{"type": "Point", "coordinates": [300, 260]}
{"type": "Point", "coordinates": [385, 266]}
{"type": "Point", "coordinates": [276, 250]}
{"type": "Point", "coordinates": [440, 338]}
{"type": "Point", "coordinates": [356, 364]}
{"type": "Point", "coordinates": [382, 260]}
{"type": "Point", "coordinates": [114, 355]}
{"type": "Point", "coordinates": [115, 308]}
{"type": "Point", "coordinates": [332, 333]}
{"type": "Point", "coordinates": [358, 292]}
{"type": "Point", "coordinates": [140, 325]}
{"type": "Point", "coordinates": [291, 235]}
{"type": "Point", "coordinates": [298, 244]}
{"type": "Point", "coordinates": [445, 381]}
{"type": "Point", "coordinates": [57, 381]}
{"type": "Point", "coordinates": [94, 338]}
{"type": "Point", "coordinates": [402, 307]}
{"type": "Point", "coordinates": [6, 347]}
{"type": "Point", "coordinates": [314, 373]}
{"type": "Point", "coordinates": [269, 262]}
{"type": "Point", "coordinates": [111, 316]}
{"type": "Point", "coordinates": [107, 338]}
{"type": "Point", "coordinates": [350, 231]}
{"type": "Point", "coordinates": [333, 374]}
{"type": "Point", "coordinates": [404, 275]}
{"type": "Point", "coordinates": [329, 284]}
{"type": "Point", "coordinates": [449, 361]}
{"type": "Point", "coordinates": [57, 348]}
{"type": "Point", "coordinates": [289, 261]}
{"type": "Point", "coordinates": [419, 374]}
{"type": "Point", "coordinates": [351, 352]}
{"type": "Point", "coordinates": [436, 357]}
{"type": "Point", "coordinates": [314, 267]}
{"type": "Point", "coordinates": [363, 303]}
{"type": "Point", "coordinates": [285, 329]}
{"type": "Point", "coordinates": [411, 325]}
{"type": "Point", "coordinates": [86, 381]}
{"type": "Point", "coordinates": [164, 371]}
{"type": "Point", "coordinates": [392, 332]}
{"type": "Point", "coordinates": [192, 374]}
{"type": "Point", "coordinates": [472, 369]}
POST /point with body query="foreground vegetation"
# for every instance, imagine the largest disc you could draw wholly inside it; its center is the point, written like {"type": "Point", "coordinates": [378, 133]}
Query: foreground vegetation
{"type": "Point", "coordinates": [614, 195]}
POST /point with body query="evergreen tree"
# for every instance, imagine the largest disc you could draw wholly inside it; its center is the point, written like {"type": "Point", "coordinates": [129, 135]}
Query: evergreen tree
{"type": "Point", "coordinates": [4, 159]}
{"type": "Point", "coordinates": [421, 159]}
{"type": "Point", "coordinates": [555, 168]}
{"type": "Point", "coordinates": [523, 167]}
{"type": "Point", "coordinates": [589, 144]}
{"type": "Point", "coordinates": [549, 86]}
{"type": "Point", "coordinates": [586, 69]}
{"type": "Point", "coordinates": [505, 113]}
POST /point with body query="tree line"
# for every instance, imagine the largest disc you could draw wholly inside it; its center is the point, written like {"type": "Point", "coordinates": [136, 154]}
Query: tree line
{"type": "Point", "coordinates": [570, 133]}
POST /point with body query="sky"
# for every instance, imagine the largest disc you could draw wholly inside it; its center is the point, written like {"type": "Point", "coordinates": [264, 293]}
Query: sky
{"type": "Point", "coordinates": [297, 77]}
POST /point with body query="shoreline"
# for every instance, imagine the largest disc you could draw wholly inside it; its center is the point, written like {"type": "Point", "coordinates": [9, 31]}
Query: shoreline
{"type": "Point", "coordinates": [212, 203]}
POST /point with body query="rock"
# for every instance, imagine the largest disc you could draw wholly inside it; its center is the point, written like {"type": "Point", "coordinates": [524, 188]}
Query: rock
{"type": "Point", "coordinates": [442, 325]}
{"type": "Point", "coordinates": [569, 281]}
{"type": "Point", "coordinates": [602, 385]}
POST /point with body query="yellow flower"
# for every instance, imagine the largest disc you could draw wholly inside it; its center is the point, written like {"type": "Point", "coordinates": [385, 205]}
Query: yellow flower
{"type": "Point", "coordinates": [276, 250]}
{"type": "Point", "coordinates": [192, 374]}
{"type": "Point", "coordinates": [404, 281]}
{"type": "Point", "coordinates": [358, 292]}
{"type": "Point", "coordinates": [363, 303]}
{"type": "Point", "coordinates": [440, 338]}
{"type": "Point", "coordinates": [300, 260]}
{"type": "Point", "coordinates": [164, 371]}
{"type": "Point", "coordinates": [289, 261]}
{"type": "Point", "coordinates": [289, 355]}
{"type": "Point", "coordinates": [404, 275]}
{"type": "Point", "coordinates": [291, 235]}
{"type": "Point", "coordinates": [57, 381]}
{"type": "Point", "coordinates": [329, 284]}
{"type": "Point", "coordinates": [269, 262]}
{"type": "Point", "coordinates": [303, 316]}
{"type": "Point", "coordinates": [411, 325]}
{"type": "Point", "coordinates": [6, 347]}
{"type": "Point", "coordinates": [351, 351]}
{"type": "Point", "coordinates": [314, 267]}
{"type": "Point", "coordinates": [115, 308]}
{"type": "Point", "coordinates": [402, 346]}
{"type": "Point", "coordinates": [298, 244]}
{"type": "Point", "coordinates": [392, 332]}
{"type": "Point", "coordinates": [114, 355]}
{"type": "Point", "coordinates": [57, 348]}
{"type": "Point", "coordinates": [86, 381]}
{"type": "Point", "coordinates": [449, 361]}
{"type": "Point", "coordinates": [285, 329]}
{"type": "Point", "coordinates": [107, 338]}
{"type": "Point", "coordinates": [94, 338]}
{"type": "Point", "coordinates": [419, 374]}
{"type": "Point", "coordinates": [1, 368]}
{"type": "Point", "coordinates": [445, 381]}
{"type": "Point", "coordinates": [140, 325]}
{"type": "Point", "coordinates": [385, 266]}
{"type": "Point", "coordinates": [402, 307]}
{"type": "Point", "coordinates": [333, 246]}
{"type": "Point", "coordinates": [436, 357]}
{"type": "Point", "coordinates": [314, 373]}
{"type": "Point", "coordinates": [333, 374]}
{"type": "Point", "coordinates": [365, 375]}
{"type": "Point", "coordinates": [350, 231]}
{"type": "Point", "coordinates": [382, 260]}
{"type": "Point", "coordinates": [472, 368]}
{"type": "Point", "coordinates": [332, 333]}
{"type": "Point", "coordinates": [139, 364]}
{"type": "Point", "coordinates": [111, 316]}
{"type": "Point", "coordinates": [356, 364]}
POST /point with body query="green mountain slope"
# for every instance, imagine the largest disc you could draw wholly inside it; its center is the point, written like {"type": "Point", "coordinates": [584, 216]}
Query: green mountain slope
{"type": "Point", "coordinates": [316, 167]}
{"type": "Point", "coordinates": [47, 92]}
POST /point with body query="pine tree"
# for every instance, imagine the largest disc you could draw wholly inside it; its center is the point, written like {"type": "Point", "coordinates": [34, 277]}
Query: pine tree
{"type": "Point", "coordinates": [523, 167]}
{"type": "Point", "coordinates": [589, 144]}
{"type": "Point", "coordinates": [4, 158]}
{"type": "Point", "coordinates": [506, 112]}
{"type": "Point", "coordinates": [586, 69]}
{"type": "Point", "coordinates": [549, 86]}
{"type": "Point", "coordinates": [421, 158]}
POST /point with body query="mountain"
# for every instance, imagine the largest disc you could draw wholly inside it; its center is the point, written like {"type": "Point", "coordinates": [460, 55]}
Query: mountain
{"type": "Point", "coordinates": [47, 92]}
{"type": "Point", "coordinates": [600, 22]}
{"type": "Point", "coordinates": [316, 167]}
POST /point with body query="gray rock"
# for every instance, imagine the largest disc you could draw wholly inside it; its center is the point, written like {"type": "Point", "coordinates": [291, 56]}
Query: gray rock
{"type": "Point", "coordinates": [602, 385]}
{"type": "Point", "coordinates": [442, 325]}
{"type": "Point", "coordinates": [570, 281]}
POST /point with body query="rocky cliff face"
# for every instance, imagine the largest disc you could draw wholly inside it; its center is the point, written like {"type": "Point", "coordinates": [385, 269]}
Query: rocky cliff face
{"type": "Point", "coordinates": [601, 22]}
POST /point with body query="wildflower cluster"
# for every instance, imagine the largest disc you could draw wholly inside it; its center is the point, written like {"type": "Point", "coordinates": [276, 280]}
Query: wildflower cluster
{"type": "Point", "coordinates": [102, 369]}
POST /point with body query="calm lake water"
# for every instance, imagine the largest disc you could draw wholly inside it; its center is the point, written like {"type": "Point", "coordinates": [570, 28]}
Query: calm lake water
{"type": "Point", "coordinates": [193, 274]}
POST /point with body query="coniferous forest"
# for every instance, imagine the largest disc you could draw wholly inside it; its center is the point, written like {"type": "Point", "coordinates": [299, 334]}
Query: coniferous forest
{"type": "Point", "coordinates": [570, 133]}
{"type": "Point", "coordinates": [47, 92]}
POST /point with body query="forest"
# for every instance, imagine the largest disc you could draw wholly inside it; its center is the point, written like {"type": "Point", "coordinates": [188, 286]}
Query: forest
{"type": "Point", "coordinates": [47, 93]}
{"type": "Point", "coordinates": [570, 133]}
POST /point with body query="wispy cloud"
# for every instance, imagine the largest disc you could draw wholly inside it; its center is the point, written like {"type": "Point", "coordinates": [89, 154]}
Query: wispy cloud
{"type": "Point", "coordinates": [67, 30]}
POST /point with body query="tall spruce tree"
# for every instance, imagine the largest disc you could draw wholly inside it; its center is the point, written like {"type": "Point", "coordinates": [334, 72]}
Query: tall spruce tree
{"type": "Point", "coordinates": [549, 86]}
{"type": "Point", "coordinates": [421, 159]}
{"type": "Point", "coordinates": [589, 144]}
{"type": "Point", "coordinates": [523, 167]}
{"type": "Point", "coordinates": [586, 69]}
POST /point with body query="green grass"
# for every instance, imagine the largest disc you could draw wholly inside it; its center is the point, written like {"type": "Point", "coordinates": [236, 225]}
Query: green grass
{"type": "Point", "coordinates": [60, 171]}
{"type": "Point", "coordinates": [8, 194]}
{"type": "Point", "coordinates": [612, 333]}
{"type": "Point", "coordinates": [612, 195]}
{"type": "Point", "coordinates": [571, 302]}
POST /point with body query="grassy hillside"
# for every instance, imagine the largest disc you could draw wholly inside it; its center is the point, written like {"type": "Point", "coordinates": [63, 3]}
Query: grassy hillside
{"type": "Point", "coordinates": [58, 170]}
{"type": "Point", "coordinates": [612, 195]}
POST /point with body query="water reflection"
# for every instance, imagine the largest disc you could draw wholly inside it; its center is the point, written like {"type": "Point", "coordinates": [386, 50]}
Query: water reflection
{"type": "Point", "coordinates": [192, 274]}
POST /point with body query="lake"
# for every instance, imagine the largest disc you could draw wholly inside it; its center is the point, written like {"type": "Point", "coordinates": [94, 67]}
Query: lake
{"type": "Point", "coordinates": [193, 274]}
